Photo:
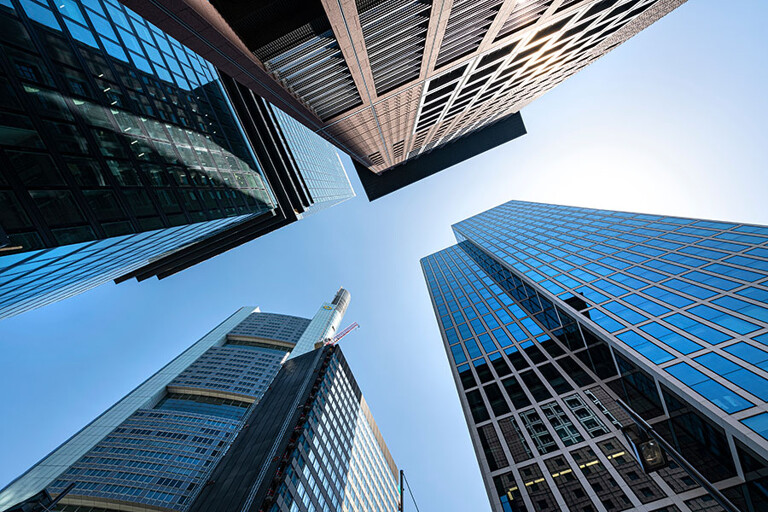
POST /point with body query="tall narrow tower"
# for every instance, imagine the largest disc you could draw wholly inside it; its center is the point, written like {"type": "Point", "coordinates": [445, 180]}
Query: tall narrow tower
{"type": "Point", "coordinates": [231, 422]}
{"type": "Point", "coordinates": [324, 325]}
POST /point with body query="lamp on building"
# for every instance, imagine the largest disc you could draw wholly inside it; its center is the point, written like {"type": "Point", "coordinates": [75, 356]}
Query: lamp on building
{"type": "Point", "coordinates": [647, 450]}
{"type": "Point", "coordinates": [652, 456]}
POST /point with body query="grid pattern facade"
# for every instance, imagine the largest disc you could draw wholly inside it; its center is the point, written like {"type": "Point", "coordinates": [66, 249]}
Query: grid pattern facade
{"type": "Point", "coordinates": [372, 69]}
{"type": "Point", "coordinates": [339, 462]}
{"type": "Point", "coordinates": [395, 32]}
{"type": "Point", "coordinates": [121, 147]}
{"type": "Point", "coordinates": [531, 61]}
{"type": "Point", "coordinates": [687, 296]}
{"type": "Point", "coordinates": [156, 458]}
{"type": "Point", "coordinates": [112, 127]}
{"type": "Point", "coordinates": [236, 369]}
{"type": "Point", "coordinates": [152, 391]}
{"type": "Point", "coordinates": [29, 280]}
{"type": "Point", "coordinates": [156, 448]}
{"type": "Point", "coordinates": [533, 387]}
{"type": "Point", "coordinates": [163, 453]}
{"type": "Point", "coordinates": [319, 165]}
{"type": "Point", "coordinates": [309, 62]}
{"type": "Point", "coordinates": [272, 326]}
{"type": "Point", "coordinates": [638, 304]}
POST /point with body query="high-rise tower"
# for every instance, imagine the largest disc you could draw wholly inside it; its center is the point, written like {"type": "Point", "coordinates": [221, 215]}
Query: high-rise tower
{"type": "Point", "coordinates": [233, 423]}
{"type": "Point", "coordinates": [549, 314]}
{"type": "Point", "coordinates": [125, 154]}
{"type": "Point", "coordinates": [405, 87]}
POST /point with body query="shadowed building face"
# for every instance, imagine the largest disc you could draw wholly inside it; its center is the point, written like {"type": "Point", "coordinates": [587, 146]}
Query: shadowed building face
{"type": "Point", "coordinates": [125, 154]}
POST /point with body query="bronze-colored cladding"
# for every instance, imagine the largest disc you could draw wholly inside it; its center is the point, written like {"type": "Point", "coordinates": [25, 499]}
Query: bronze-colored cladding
{"type": "Point", "coordinates": [332, 85]}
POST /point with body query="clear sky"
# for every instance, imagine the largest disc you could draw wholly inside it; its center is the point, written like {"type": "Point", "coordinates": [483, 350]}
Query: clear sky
{"type": "Point", "coordinates": [672, 122]}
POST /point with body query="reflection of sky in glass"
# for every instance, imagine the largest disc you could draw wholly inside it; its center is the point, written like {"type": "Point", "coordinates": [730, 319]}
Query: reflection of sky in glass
{"type": "Point", "coordinates": [143, 45]}
{"type": "Point", "coordinates": [32, 279]}
{"type": "Point", "coordinates": [706, 163]}
{"type": "Point", "coordinates": [340, 438]}
{"type": "Point", "coordinates": [158, 112]}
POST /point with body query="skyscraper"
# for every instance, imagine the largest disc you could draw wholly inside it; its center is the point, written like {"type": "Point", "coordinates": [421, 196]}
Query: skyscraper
{"type": "Point", "coordinates": [124, 154]}
{"type": "Point", "coordinates": [233, 423]}
{"type": "Point", "coordinates": [550, 314]}
{"type": "Point", "coordinates": [405, 87]}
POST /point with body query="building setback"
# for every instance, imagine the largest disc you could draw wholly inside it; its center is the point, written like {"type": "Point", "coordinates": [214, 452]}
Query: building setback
{"type": "Point", "coordinates": [550, 314]}
{"type": "Point", "coordinates": [231, 422]}
{"type": "Point", "coordinates": [125, 154]}
{"type": "Point", "coordinates": [402, 85]}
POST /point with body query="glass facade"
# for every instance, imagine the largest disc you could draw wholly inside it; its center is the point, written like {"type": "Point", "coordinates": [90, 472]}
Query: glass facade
{"type": "Point", "coordinates": [319, 164]}
{"type": "Point", "coordinates": [118, 147]}
{"type": "Point", "coordinates": [33, 279]}
{"type": "Point", "coordinates": [157, 449]}
{"type": "Point", "coordinates": [163, 453]}
{"type": "Point", "coordinates": [111, 127]}
{"type": "Point", "coordinates": [665, 313]}
{"type": "Point", "coordinates": [340, 462]}
{"type": "Point", "coordinates": [156, 457]}
{"type": "Point", "coordinates": [173, 429]}
{"type": "Point", "coordinates": [151, 391]}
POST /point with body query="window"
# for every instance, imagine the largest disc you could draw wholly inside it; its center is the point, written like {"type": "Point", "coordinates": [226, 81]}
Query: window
{"type": "Point", "coordinates": [57, 206]}
{"type": "Point", "coordinates": [667, 297]}
{"type": "Point", "coordinates": [671, 338]}
{"type": "Point", "coordinates": [743, 307]}
{"type": "Point", "coordinates": [477, 406]}
{"type": "Point", "coordinates": [758, 423]}
{"type": "Point", "coordinates": [745, 379]}
{"type": "Point", "coordinates": [713, 391]}
{"type": "Point", "coordinates": [749, 354]}
{"type": "Point", "coordinates": [723, 319]}
{"type": "Point", "coordinates": [697, 329]}
{"type": "Point", "coordinates": [645, 347]}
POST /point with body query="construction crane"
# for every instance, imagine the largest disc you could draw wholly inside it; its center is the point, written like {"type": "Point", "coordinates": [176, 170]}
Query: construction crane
{"type": "Point", "coordinates": [337, 338]}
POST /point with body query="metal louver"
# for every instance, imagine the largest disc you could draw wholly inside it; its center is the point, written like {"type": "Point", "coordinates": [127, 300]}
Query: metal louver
{"type": "Point", "coordinates": [395, 32]}
{"type": "Point", "coordinates": [313, 67]}
{"type": "Point", "coordinates": [524, 15]}
{"type": "Point", "coordinates": [467, 25]}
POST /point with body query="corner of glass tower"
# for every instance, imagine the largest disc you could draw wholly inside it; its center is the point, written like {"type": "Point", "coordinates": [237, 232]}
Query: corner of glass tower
{"type": "Point", "coordinates": [230, 419]}
{"type": "Point", "coordinates": [552, 315]}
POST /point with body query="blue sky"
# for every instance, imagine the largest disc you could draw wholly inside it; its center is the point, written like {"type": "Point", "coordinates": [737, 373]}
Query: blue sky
{"type": "Point", "coordinates": [671, 122]}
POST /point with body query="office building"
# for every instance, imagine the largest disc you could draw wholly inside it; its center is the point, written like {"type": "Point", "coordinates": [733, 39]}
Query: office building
{"type": "Point", "coordinates": [550, 314]}
{"type": "Point", "coordinates": [233, 423]}
{"type": "Point", "coordinates": [124, 154]}
{"type": "Point", "coordinates": [405, 87]}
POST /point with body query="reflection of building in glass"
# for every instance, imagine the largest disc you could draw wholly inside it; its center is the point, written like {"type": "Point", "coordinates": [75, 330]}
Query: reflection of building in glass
{"type": "Point", "coordinates": [319, 164]}
{"type": "Point", "coordinates": [550, 313]}
{"type": "Point", "coordinates": [406, 87]}
{"type": "Point", "coordinates": [231, 408]}
{"type": "Point", "coordinates": [111, 129]}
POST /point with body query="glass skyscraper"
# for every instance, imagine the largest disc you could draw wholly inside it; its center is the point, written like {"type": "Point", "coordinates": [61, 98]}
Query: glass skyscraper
{"type": "Point", "coordinates": [119, 146]}
{"type": "Point", "coordinates": [549, 314]}
{"type": "Point", "coordinates": [232, 406]}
